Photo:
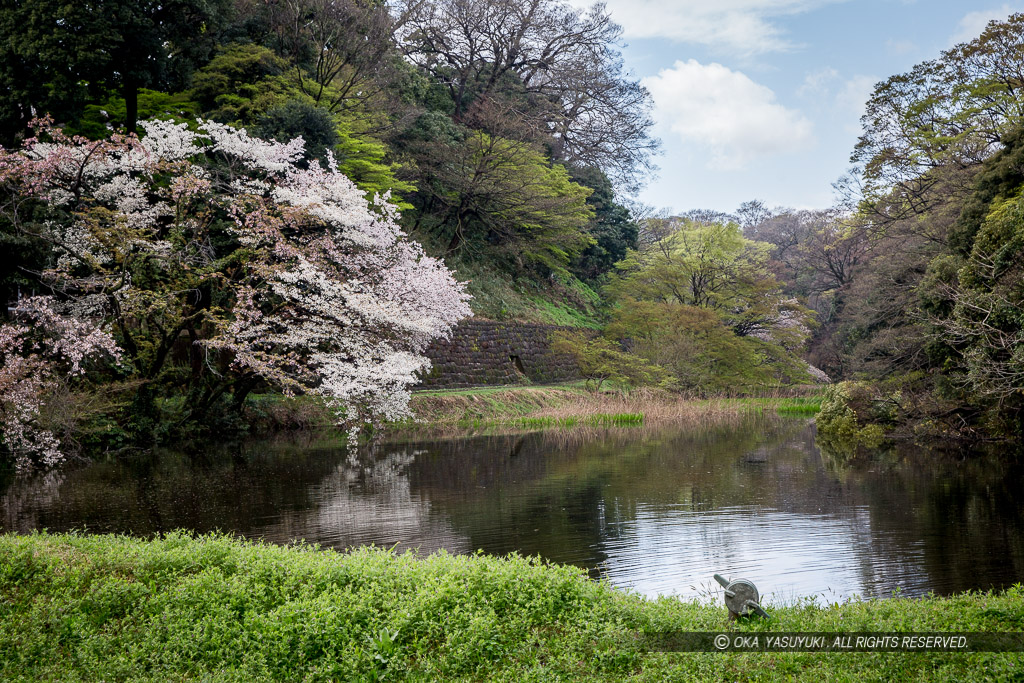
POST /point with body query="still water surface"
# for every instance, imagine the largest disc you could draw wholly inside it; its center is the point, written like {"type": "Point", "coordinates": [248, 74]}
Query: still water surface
{"type": "Point", "coordinates": [655, 510]}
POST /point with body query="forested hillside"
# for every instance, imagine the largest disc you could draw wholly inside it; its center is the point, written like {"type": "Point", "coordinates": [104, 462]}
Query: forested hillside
{"type": "Point", "coordinates": [172, 245]}
{"type": "Point", "coordinates": [932, 313]}
{"type": "Point", "coordinates": [509, 133]}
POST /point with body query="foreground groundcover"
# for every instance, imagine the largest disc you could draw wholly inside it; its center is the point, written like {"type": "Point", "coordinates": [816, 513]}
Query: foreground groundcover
{"type": "Point", "coordinates": [213, 607]}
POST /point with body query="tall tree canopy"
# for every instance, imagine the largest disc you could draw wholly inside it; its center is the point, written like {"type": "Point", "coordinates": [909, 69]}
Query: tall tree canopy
{"type": "Point", "coordinates": [699, 300]}
{"type": "Point", "coordinates": [90, 47]}
{"type": "Point", "coordinates": [928, 299]}
{"type": "Point", "coordinates": [558, 66]}
{"type": "Point", "coordinates": [924, 127]}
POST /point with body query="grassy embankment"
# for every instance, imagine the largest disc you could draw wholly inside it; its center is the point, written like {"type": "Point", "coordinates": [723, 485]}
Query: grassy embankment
{"type": "Point", "coordinates": [564, 405]}
{"type": "Point", "coordinates": [569, 405]}
{"type": "Point", "coordinates": [213, 608]}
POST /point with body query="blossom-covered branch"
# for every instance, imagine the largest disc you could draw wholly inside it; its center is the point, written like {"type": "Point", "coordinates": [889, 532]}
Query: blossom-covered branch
{"type": "Point", "coordinates": [270, 269]}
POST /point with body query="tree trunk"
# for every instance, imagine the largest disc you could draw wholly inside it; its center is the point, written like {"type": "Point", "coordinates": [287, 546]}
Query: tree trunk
{"type": "Point", "coordinates": [131, 104]}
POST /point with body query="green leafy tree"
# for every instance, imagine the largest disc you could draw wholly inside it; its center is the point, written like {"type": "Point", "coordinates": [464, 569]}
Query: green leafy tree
{"type": "Point", "coordinates": [498, 196]}
{"type": "Point", "coordinates": [923, 128]}
{"type": "Point", "coordinates": [934, 308]}
{"type": "Point", "coordinates": [708, 266]}
{"type": "Point", "coordinates": [98, 120]}
{"type": "Point", "coordinates": [557, 67]}
{"type": "Point", "coordinates": [601, 360]}
{"type": "Point", "coordinates": [342, 52]}
{"type": "Point", "coordinates": [41, 67]}
{"type": "Point", "coordinates": [699, 300]}
{"type": "Point", "coordinates": [699, 350]}
{"type": "Point", "coordinates": [974, 301]}
{"type": "Point", "coordinates": [251, 86]}
{"type": "Point", "coordinates": [240, 83]}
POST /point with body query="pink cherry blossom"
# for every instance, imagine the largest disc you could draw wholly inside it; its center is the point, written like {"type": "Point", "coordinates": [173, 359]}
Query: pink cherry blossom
{"type": "Point", "coordinates": [332, 298]}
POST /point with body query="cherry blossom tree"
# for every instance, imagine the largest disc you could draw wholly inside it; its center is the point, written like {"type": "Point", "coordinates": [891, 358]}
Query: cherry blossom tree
{"type": "Point", "coordinates": [44, 348]}
{"type": "Point", "coordinates": [273, 273]}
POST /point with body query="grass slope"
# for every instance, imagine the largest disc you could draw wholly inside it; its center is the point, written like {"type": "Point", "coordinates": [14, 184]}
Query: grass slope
{"type": "Point", "coordinates": [559, 404]}
{"type": "Point", "coordinates": [543, 405]}
{"type": "Point", "coordinates": [87, 608]}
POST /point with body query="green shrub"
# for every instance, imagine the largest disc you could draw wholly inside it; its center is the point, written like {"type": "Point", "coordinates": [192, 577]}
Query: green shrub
{"type": "Point", "coordinates": [844, 421]}
{"type": "Point", "coordinates": [601, 360]}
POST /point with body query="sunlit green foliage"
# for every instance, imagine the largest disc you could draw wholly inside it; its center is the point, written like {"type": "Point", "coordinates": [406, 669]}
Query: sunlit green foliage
{"type": "Point", "coordinates": [700, 351]}
{"type": "Point", "coordinates": [241, 83]}
{"type": "Point", "coordinates": [498, 197]}
{"type": "Point", "coordinates": [699, 300]}
{"type": "Point", "coordinates": [216, 608]}
{"type": "Point", "coordinates": [708, 266]}
{"type": "Point", "coordinates": [601, 360]}
{"type": "Point", "coordinates": [249, 85]}
{"type": "Point", "coordinates": [98, 120]}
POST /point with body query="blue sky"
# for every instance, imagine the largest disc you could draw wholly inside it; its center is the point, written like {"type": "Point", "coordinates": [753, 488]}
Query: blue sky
{"type": "Point", "coordinates": [761, 99]}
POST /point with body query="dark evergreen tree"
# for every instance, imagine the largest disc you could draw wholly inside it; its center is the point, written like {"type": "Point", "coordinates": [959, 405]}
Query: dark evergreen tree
{"type": "Point", "coordinates": [57, 55]}
{"type": "Point", "coordinates": [613, 228]}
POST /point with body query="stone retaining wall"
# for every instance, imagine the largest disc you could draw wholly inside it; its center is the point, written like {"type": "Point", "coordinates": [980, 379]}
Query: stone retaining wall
{"type": "Point", "coordinates": [486, 353]}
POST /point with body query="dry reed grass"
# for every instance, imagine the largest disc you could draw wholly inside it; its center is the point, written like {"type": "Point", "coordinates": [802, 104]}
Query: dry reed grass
{"type": "Point", "coordinates": [462, 407]}
{"type": "Point", "coordinates": [561, 437]}
{"type": "Point", "coordinates": [655, 405]}
{"type": "Point", "coordinates": [466, 409]}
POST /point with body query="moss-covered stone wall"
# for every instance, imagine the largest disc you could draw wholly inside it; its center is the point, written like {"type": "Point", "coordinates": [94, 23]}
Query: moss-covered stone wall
{"type": "Point", "coordinates": [486, 353]}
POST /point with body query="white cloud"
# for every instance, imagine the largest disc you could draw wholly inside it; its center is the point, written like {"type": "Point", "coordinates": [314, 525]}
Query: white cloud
{"type": "Point", "coordinates": [855, 93]}
{"type": "Point", "coordinates": [973, 23]}
{"type": "Point", "coordinates": [899, 47]}
{"type": "Point", "coordinates": [828, 90]}
{"type": "Point", "coordinates": [817, 83]}
{"type": "Point", "coordinates": [723, 110]}
{"type": "Point", "coordinates": [853, 97]}
{"type": "Point", "coordinates": [744, 27]}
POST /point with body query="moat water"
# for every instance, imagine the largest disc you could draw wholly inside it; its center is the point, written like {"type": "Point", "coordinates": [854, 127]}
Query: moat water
{"type": "Point", "coordinates": [658, 511]}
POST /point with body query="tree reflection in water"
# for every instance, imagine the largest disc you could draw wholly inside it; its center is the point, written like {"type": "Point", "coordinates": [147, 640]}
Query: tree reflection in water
{"type": "Point", "coordinates": [656, 508]}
